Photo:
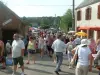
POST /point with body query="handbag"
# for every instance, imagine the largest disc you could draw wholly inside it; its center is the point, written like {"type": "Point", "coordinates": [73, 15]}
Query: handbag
{"type": "Point", "coordinates": [9, 61]}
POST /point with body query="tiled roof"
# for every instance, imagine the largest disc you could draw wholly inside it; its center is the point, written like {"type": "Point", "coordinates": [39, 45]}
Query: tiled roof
{"type": "Point", "coordinates": [87, 2]}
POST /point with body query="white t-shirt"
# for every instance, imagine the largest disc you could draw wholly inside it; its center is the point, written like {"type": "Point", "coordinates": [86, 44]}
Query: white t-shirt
{"type": "Point", "coordinates": [17, 46]}
{"type": "Point", "coordinates": [83, 55]}
{"type": "Point", "coordinates": [41, 41]}
{"type": "Point", "coordinates": [59, 46]}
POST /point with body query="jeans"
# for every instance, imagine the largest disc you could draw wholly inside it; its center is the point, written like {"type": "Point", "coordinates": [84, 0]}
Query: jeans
{"type": "Point", "coordinates": [59, 56]}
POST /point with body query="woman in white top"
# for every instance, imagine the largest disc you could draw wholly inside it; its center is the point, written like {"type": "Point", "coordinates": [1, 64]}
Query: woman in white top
{"type": "Point", "coordinates": [41, 45]}
{"type": "Point", "coordinates": [83, 56]}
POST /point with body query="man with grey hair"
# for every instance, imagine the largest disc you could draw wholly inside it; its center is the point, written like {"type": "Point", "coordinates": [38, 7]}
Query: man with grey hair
{"type": "Point", "coordinates": [83, 57]}
{"type": "Point", "coordinates": [17, 53]}
{"type": "Point", "coordinates": [59, 47]}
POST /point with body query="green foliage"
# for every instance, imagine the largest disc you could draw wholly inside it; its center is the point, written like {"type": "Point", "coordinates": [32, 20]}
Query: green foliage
{"type": "Point", "coordinates": [43, 22]}
{"type": "Point", "coordinates": [66, 21]}
{"type": "Point", "coordinates": [44, 26]}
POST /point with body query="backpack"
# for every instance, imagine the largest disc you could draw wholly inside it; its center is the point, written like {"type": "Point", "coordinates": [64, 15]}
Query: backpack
{"type": "Point", "coordinates": [70, 46]}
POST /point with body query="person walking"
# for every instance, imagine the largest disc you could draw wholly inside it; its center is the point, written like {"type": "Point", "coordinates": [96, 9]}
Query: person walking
{"type": "Point", "coordinates": [77, 40]}
{"type": "Point", "coordinates": [8, 47]}
{"type": "Point", "coordinates": [17, 53]}
{"type": "Point", "coordinates": [2, 57]}
{"type": "Point", "coordinates": [96, 59]}
{"type": "Point", "coordinates": [41, 45]}
{"type": "Point", "coordinates": [31, 49]}
{"type": "Point", "coordinates": [83, 57]}
{"type": "Point", "coordinates": [70, 47]}
{"type": "Point", "coordinates": [59, 47]}
{"type": "Point", "coordinates": [50, 41]}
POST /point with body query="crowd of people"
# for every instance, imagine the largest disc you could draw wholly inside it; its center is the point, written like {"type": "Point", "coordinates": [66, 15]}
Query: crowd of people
{"type": "Point", "coordinates": [79, 50]}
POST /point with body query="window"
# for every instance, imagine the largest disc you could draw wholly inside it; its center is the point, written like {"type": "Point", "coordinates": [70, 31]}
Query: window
{"type": "Point", "coordinates": [88, 13]}
{"type": "Point", "coordinates": [98, 14]}
{"type": "Point", "coordinates": [79, 15]}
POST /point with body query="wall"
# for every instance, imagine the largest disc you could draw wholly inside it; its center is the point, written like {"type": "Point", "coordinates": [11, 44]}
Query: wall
{"type": "Point", "coordinates": [94, 20]}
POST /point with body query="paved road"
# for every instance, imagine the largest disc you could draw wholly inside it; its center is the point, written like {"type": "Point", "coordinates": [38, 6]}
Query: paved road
{"type": "Point", "coordinates": [43, 66]}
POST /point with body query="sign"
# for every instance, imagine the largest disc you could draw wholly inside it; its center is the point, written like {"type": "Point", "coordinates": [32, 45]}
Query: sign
{"type": "Point", "coordinates": [6, 22]}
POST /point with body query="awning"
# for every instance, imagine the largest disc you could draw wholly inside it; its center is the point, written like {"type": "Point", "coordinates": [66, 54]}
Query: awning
{"type": "Point", "coordinates": [95, 28]}
{"type": "Point", "coordinates": [89, 28]}
{"type": "Point", "coordinates": [84, 28]}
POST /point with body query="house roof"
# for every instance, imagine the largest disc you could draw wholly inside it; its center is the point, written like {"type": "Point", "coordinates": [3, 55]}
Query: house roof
{"type": "Point", "coordinates": [7, 14]}
{"type": "Point", "coordinates": [86, 3]}
{"type": "Point", "coordinates": [2, 4]}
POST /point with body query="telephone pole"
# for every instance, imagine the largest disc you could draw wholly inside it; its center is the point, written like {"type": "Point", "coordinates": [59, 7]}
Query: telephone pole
{"type": "Point", "coordinates": [73, 17]}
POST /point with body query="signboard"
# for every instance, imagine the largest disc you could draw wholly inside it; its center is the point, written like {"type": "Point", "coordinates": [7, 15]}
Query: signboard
{"type": "Point", "coordinates": [6, 22]}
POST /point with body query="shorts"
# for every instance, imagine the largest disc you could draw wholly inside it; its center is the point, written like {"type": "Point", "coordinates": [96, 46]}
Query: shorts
{"type": "Point", "coordinates": [31, 51]}
{"type": "Point", "coordinates": [41, 46]}
{"type": "Point", "coordinates": [18, 60]}
{"type": "Point", "coordinates": [50, 49]}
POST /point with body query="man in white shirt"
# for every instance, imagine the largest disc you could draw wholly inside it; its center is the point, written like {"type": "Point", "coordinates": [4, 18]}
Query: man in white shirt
{"type": "Point", "coordinates": [83, 57]}
{"type": "Point", "coordinates": [18, 53]}
{"type": "Point", "coordinates": [59, 47]}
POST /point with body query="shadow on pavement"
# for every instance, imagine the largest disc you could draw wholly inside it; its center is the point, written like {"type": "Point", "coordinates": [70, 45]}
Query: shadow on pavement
{"type": "Point", "coordinates": [94, 71]}
{"type": "Point", "coordinates": [37, 70]}
{"type": "Point", "coordinates": [8, 70]}
{"type": "Point", "coordinates": [68, 74]}
{"type": "Point", "coordinates": [38, 58]}
{"type": "Point", "coordinates": [45, 65]}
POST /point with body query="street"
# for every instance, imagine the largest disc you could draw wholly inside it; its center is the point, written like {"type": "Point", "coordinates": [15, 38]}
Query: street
{"type": "Point", "coordinates": [44, 66]}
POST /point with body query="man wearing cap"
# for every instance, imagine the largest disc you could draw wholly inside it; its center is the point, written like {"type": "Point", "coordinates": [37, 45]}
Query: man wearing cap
{"type": "Point", "coordinates": [84, 58]}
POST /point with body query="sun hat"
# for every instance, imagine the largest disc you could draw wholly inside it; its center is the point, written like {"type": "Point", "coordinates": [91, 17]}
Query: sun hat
{"type": "Point", "coordinates": [84, 42]}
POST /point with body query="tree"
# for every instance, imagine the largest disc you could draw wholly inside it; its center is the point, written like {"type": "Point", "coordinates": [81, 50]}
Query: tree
{"type": "Point", "coordinates": [66, 21]}
{"type": "Point", "coordinates": [44, 23]}
{"type": "Point", "coordinates": [25, 21]}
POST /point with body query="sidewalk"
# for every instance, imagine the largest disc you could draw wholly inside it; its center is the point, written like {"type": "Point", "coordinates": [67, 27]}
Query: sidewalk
{"type": "Point", "coordinates": [44, 66]}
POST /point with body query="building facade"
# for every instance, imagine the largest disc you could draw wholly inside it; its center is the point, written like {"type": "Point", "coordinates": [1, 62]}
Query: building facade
{"type": "Point", "coordinates": [88, 18]}
{"type": "Point", "coordinates": [10, 23]}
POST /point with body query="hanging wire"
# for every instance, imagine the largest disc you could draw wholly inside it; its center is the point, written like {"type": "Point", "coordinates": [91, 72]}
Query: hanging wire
{"type": "Point", "coordinates": [44, 5]}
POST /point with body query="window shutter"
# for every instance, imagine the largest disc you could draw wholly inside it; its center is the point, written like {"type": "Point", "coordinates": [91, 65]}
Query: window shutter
{"type": "Point", "coordinates": [90, 12]}
{"type": "Point", "coordinates": [78, 15]}
{"type": "Point", "coordinates": [98, 14]}
{"type": "Point", "coordinates": [86, 14]}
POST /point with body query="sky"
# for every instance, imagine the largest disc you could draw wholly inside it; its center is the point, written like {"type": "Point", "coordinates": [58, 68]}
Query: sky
{"type": "Point", "coordinates": [40, 8]}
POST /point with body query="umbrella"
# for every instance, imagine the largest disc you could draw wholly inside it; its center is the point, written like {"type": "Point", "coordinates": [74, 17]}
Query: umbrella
{"type": "Point", "coordinates": [81, 34]}
{"type": "Point", "coordinates": [71, 32]}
